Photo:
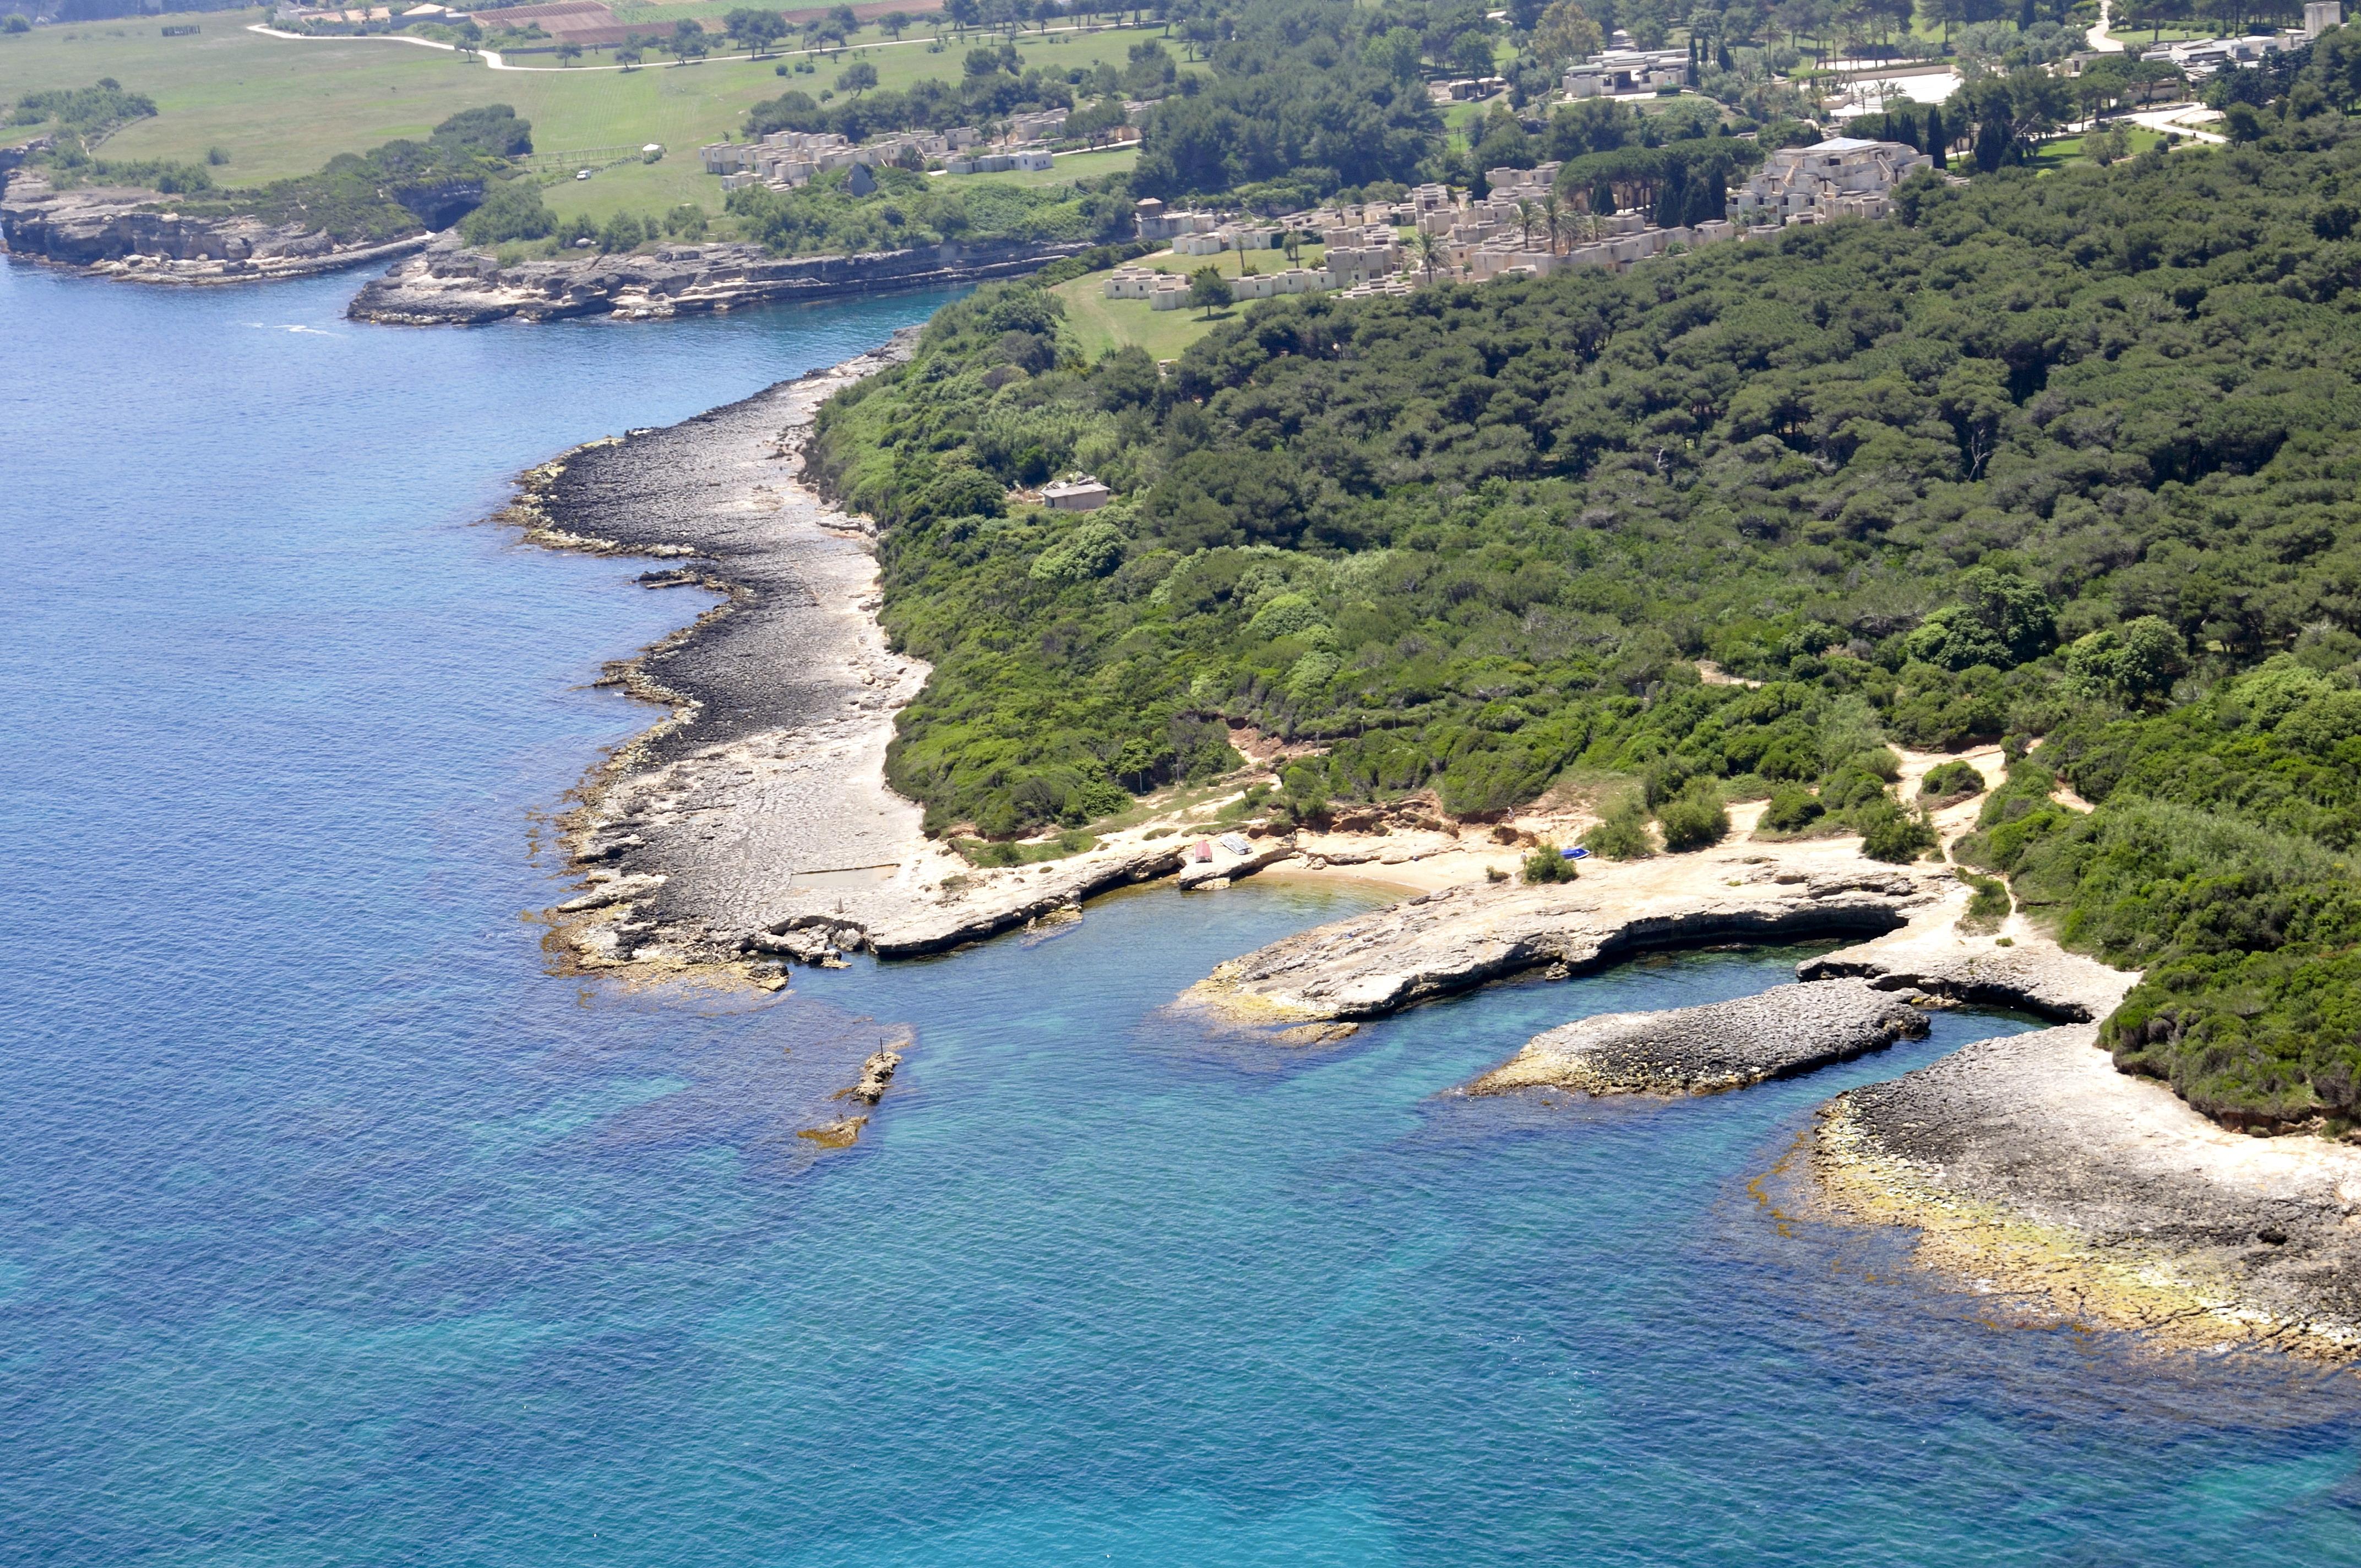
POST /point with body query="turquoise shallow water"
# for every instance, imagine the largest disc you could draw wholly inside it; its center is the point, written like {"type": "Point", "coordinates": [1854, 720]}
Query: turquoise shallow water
{"type": "Point", "coordinates": [334, 1230]}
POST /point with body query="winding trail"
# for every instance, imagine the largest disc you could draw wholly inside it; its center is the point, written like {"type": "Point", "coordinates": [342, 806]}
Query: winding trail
{"type": "Point", "coordinates": [2098, 38]}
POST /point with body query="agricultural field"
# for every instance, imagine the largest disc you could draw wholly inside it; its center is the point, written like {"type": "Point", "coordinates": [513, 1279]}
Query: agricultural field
{"type": "Point", "coordinates": [281, 107]}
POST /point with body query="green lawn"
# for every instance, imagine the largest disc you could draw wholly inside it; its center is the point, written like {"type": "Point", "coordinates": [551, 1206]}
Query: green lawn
{"type": "Point", "coordinates": [1099, 323]}
{"type": "Point", "coordinates": [281, 107]}
{"type": "Point", "coordinates": [2052, 156]}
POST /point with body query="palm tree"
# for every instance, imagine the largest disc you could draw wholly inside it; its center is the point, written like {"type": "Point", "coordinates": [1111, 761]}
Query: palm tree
{"type": "Point", "coordinates": [1552, 210]}
{"type": "Point", "coordinates": [1428, 249]}
{"type": "Point", "coordinates": [1525, 220]}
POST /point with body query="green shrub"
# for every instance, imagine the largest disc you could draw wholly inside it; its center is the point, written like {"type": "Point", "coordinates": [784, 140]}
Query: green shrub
{"type": "Point", "coordinates": [1792, 810]}
{"type": "Point", "coordinates": [1892, 834]}
{"type": "Point", "coordinates": [1990, 905]}
{"type": "Point", "coordinates": [1622, 833]}
{"type": "Point", "coordinates": [1948, 783]}
{"type": "Point", "coordinates": [984, 852]}
{"type": "Point", "coordinates": [1696, 818]}
{"type": "Point", "coordinates": [512, 210]}
{"type": "Point", "coordinates": [1548, 863]}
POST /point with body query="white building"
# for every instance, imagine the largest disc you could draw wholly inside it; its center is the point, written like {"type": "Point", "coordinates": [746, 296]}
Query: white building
{"type": "Point", "coordinates": [1130, 282]}
{"type": "Point", "coordinates": [1627, 70]}
{"type": "Point", "coordinates": [1039, 126]}
{"type": "Point", "coordinates": [1526, 184]}
{"type": "Point", "coordinates": [1290, 281]}
{"type": "Point", "coordinates": [1161, 224]}
{"type": "Point", "coordinates": [1841, 177]}
{"type": "Point", "coordinates": [2198, 59]}
{"type": "Point", "coordinates": [1080, 493]}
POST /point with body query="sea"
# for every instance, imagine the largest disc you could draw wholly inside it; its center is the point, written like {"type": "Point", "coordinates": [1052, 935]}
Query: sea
{"type": "Point", "coordinates": [335, 1228]}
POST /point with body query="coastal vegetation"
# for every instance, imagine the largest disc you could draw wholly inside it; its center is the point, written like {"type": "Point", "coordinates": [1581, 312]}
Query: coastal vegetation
{"type": "Point", "coordinates": [2064, 456]}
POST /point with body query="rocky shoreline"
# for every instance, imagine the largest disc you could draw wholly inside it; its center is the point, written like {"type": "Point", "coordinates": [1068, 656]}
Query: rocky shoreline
{"type": "Point", "coordinates": [130, 234]}
{"type": "Point", "coordinates": [1452, 940]}
{"type": "Point", "coordinates": [2034, 1171]}
{"type": "Point", "coordinates": [753, 829]}
{"type": "Point", "coordinates": [752, 826]}
{"type": "Point", "coordinates": [2030, 1168]}
{"type": "Point", "coordinates": [450, 285]}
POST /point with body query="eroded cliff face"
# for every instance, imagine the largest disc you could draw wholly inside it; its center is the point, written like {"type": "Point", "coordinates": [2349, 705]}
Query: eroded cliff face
{"type": "Point", "coordinates": [126, 232]}
{"type": "Point", "coordinates": [449, 284]}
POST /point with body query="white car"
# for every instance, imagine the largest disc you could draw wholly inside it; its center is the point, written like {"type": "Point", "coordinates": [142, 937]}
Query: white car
{"type": "Point", "coordinates": [582, 174]}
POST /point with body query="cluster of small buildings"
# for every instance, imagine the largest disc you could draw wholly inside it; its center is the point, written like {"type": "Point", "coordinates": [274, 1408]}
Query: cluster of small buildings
{"type": "Point", "coordinates": [2198, 59]}
{"type": "Point", "coordinates": [784, 160]}
{"type": "Point", "coordinates": [1464, 89]}
{"type": "Point", "coordinates": [1031, 158]}
{"type": "Point", "coordinates": [362, 14]}
{"type": "Point", "coordinates": [1482, 240]}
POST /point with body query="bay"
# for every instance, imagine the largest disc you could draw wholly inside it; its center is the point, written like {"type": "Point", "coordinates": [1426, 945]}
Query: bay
{"type": "Point", "coordinates": [335, 1230]}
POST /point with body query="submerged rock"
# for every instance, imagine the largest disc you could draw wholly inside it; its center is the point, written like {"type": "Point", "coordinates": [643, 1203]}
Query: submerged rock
{"type": "Point", "coordinates": [1720, 1046]}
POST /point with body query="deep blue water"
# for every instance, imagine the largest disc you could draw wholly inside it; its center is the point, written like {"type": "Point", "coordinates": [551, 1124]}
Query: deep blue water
{"type": "Point", "coordinates": [334, 1230]}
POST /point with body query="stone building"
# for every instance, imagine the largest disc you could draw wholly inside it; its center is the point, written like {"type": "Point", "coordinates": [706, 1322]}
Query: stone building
{"type": "Point", "coordinates": [1842, 176]}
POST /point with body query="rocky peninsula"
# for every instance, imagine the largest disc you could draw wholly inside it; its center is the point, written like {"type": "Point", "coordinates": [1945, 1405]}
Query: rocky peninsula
{"type": "Point", "coordinates": [450, 284]}
{"type": "Point", "coordinates": [2034, 1172]}
{"type": "Point", "coordinates": [137, 235]}
{"type": "Point", "coordinates": [1705, 1050]}
{"type": "Point", "coordinates": [1459, 938]}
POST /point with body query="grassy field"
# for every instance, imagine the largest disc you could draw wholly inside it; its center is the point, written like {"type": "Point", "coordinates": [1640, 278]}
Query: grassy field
{"type": "Point", "coordinates": [1099, 323]}
{"type": "Point", "coordinates": [280, 108]}
{"type": "Point", "coordinates": [2052, 156]}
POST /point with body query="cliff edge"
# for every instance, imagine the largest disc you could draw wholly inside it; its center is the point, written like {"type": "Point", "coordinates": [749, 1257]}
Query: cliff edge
{"type": "Point", "coordinates": [127, 232]}
{"type": "Point", "coordinates": [450, 285]}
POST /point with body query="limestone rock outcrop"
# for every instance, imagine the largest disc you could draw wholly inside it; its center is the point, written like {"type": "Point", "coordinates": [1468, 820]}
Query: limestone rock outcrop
{"type": "Point", "coordinates": [1720, 1046]}
{"type": "Point", "coordinates": [124, 232]}
{"type": "Point", "coordinates": [452, 285]}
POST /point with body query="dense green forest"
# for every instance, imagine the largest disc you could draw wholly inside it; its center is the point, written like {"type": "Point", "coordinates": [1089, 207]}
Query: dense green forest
{"type": "Point", "coordinates": [2072, 457]}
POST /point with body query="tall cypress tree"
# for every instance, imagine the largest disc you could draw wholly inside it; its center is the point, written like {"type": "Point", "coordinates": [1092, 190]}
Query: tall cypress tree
{"type": "Point", "coordinates": [1992, 142]}
{"type": "Point", "coordinates": [1938, 142]}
